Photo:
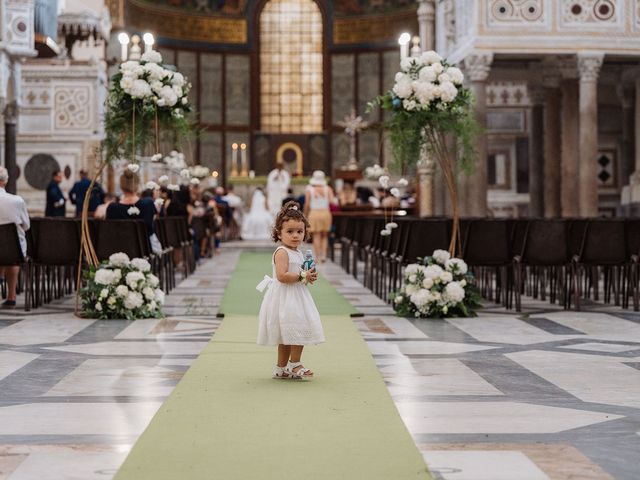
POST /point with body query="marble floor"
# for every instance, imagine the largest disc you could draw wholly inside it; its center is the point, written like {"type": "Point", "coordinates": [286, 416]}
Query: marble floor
{"type": "Point", "coordinates": [544, 394]}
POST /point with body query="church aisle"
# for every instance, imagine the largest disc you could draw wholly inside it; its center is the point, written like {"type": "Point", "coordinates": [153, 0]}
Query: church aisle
{"type": "Point", "coordinates": [75, 394]}
{"type": "Point", "coordinates": [229, 419]}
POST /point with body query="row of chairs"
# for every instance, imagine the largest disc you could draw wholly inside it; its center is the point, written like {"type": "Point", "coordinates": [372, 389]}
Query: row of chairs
{"type": "Point", "coordinates": [567, 260]}
{"type": "Point", "coordinates": [49, 271]}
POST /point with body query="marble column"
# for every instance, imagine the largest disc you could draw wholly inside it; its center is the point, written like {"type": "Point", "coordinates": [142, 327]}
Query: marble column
{"type": "Point", "coordinates": [589, 68]}
{"type": "Point", "coordinates": [626, 163]}
{"type": "Point", "coordinates": [631, 193]}
{"type": "Point", "coordinates": [426, 24]}
{"type": "Point", "coordinates": [570, 149]}
{"type": "Point", "coordinates": [552, 144]}
{"type": "Point", "coordinates": [536, 152]}
{"type": "Point", "coordinates": [425, 171]}
{"type": "Point", "coordinates": [10, 120]}
{"type": "Point", "coordinates": [477, 67]}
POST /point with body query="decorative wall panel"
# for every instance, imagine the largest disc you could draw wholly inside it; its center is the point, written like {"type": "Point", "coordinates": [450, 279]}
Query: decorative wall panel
{"type": "Point", "coordinates": [210, 150]}
{"type": "Point", "coordinates": [188, 66]}
{"type": "Point", "coordinates": [390, 66]}
{"type": "Point", "coordinates": [507, 94]}
{"type": "Point", "coordinates": [210, 88]}
{"type": "Point", "coordinates": [342, 87]}
{"type": "Point", "coordinates": [237, 89]}
{"type": "Point", "coordinates": [517, 12]}
{"type": "Point", "coordinates": [72, 108]}
{"type": "Point", "coordinates": [339, 149]}
{"type": "Point", "coordinates": [369, 148]}
{"type": "Point", "coordinates": [368, 82]}
{"type": "Point", "coordinates": [590, 13]}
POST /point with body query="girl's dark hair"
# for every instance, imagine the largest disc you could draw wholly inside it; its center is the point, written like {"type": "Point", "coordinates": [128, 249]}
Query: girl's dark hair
{"type": "Point", "coordinates": [289, 211]}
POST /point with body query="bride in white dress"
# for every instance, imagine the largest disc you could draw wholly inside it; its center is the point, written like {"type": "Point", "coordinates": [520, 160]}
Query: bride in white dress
{"type": "Point", "coordinates": [257, 224]}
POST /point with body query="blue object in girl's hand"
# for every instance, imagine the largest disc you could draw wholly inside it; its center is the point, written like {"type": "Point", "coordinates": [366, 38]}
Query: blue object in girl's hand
{"type": "Point", "coordinates": [309, 263]}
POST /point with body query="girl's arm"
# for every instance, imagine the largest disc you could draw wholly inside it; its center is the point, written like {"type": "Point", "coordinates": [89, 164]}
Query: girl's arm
{"type": "Point", "coordinates": [282, 265]}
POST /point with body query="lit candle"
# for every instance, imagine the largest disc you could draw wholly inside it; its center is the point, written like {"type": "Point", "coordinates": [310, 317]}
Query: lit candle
{"type": "Point", "coordinates": [403, 41]}
{"type": "Point", "coordinates": [234, 160]}
{"type": "Point", "coordinates": [243, 153]}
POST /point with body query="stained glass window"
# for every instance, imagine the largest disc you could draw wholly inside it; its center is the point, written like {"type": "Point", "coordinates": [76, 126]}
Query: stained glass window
{"type": "Point", "coordinates": [291, 67]}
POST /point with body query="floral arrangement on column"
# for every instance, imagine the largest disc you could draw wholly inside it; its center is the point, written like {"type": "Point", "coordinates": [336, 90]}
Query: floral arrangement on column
{"type": "Point", "coordinates": [431, 109]}
{"type": "Point", "coordinates": [439, 286]}
{"type": "Point", "coordinates": [122, 288]}
{"type": "Point", "coordinates": [147, 100]}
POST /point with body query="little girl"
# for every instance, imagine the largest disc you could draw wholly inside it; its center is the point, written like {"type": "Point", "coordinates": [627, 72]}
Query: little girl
{"type": "Point", "coordinates": [288, 316]}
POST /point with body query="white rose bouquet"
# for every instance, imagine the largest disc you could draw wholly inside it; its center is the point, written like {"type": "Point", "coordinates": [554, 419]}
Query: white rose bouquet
{"type": "Point", "coordinates": [122, 288]}
{"type": "Point", "coordinates": [439, 286]}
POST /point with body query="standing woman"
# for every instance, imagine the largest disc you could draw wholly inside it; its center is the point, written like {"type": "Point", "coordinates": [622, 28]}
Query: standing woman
{"type": "Point", "coordinates": [318, 196]}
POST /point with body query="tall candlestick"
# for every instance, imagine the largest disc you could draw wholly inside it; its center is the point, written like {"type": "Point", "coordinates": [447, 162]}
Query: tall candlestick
{"type": "Point", "coordinates": [234, 160]}
{"type": "Point", "coordinates": [243, 154]}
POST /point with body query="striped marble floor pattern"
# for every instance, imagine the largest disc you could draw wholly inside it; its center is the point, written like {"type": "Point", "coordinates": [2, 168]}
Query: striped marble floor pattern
{"type": "Point", "coordinates": [545, 394]}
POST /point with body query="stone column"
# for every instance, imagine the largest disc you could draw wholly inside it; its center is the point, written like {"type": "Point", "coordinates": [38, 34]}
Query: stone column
{"type": "Point", "coordinates": [631, 193]}
{"type": "Point", "coordinates": [570, 149]}
{"type": "Point", "coordinates": [426, 23]}
{"type": "Point", "coordinates": [626, 164]}
{"type": "Point", "coordinates": [10, 120]}
{"type": "Point", "coordinates": [551, 141]}
{"type": "Point", "coordinates": [477, 67]}
{"type": "Point", "coordinates": [536, 152]}
{"type": "Point", "coordinates": [589, 68]}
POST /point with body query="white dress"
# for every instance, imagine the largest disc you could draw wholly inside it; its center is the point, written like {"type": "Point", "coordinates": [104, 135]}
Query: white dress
{"type": "Point", "coordinates": [288, 314]}
{"type": "Point", "coordinates": [258, 223]}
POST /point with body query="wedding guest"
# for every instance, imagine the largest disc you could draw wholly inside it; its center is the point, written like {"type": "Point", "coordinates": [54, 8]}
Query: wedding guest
{"type": "Point", "coordinates": [55, 199]}
{"type": "Point", "coordinates": [13, 209]}
{"type": "Point", "coordinates": [131, 206]}
{"type": "Point", "coordinates": [347, 196]}
{"type": "Point", "coordinates": [79, 190]}
{"type": "Point", "coordinates": [101, 210]}
{"type": "Point", "coordinates": [318, 198]}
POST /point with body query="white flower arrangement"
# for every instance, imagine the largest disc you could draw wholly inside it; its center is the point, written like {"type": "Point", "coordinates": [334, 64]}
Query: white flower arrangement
{"type": "Point", "coordinates": [374, 172]}
{"type": "Point", "coordinates": [122, 288]}
{"type": "Point", "coordinates": [175, 161]}
{"type": "Point", "coordinates": [133, 211]}
{"type": "Point", "coordinates": [133, 167]}
{"type": "Point", "coordinates": [199, 171]}
{"type": "Point", "coordinates": [437, 287]}
{"type": "Point", "coordinates": [149, 80]}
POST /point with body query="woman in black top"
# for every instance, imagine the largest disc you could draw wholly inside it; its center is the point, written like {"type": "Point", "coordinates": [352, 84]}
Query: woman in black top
{"type": "Point", "coordinates": [131, 206]}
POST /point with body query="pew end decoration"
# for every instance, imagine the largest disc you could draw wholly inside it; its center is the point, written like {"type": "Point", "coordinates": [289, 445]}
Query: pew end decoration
{"type": "Point", "coordinates": [121, 288]}
{"type": "Point", "coordinates": [438, 286]}
{"type": "Point", "coordinates": [431, 113]}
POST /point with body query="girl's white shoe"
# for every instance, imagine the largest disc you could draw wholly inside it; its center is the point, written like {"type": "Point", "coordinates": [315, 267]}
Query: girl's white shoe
{"type": "Point", "coordinates": [301, 372]}
{"type": "Point", "coordinates": [281, 372]}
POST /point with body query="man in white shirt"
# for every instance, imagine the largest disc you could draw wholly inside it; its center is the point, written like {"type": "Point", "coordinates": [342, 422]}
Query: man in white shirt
{"type": "Point", "coordinates": [12, 210]}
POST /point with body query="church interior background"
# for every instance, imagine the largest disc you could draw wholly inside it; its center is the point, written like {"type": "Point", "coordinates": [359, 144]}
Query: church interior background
{"type": "Point", "coordinates": [542, 393]}
{"type": "Point", "coordinates": [555, 84]}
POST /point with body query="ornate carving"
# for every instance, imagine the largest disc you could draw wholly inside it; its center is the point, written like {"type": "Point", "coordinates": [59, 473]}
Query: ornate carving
{"type": "Point", "coordinates": [449, 14]}
{"type": "Point", "coordinates": [589, 66]}
{"type": "Point", "coordinates": [509, 12]}
{"type": "Point", "coordinates": [72, 108]}
{"type": "Point", "coordinates": [477, 66]}
{"type": "Point", "coordinates": [507, 94]}
{"type": "Point", "coordinates": [594, 12]}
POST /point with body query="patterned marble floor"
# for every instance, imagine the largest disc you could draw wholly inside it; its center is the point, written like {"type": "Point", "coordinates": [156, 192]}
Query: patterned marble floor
{"type": "Point", "coordinates": [542, 395]}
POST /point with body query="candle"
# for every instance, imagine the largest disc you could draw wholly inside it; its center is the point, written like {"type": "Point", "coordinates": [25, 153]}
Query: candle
{"type": "Point", "coordinates": [234, 160]}
{"type": "Point", "coordinates": [403, 41]}
{"type": "Point", "coordinates": [243, 153]}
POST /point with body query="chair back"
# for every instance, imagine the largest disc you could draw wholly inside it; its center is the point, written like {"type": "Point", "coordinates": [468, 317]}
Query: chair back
{"type": "Point", "coordinates": [56, 241]}
{"type": "Point", "coordinates": [115, 236]}
{"type": "Point", "coordinates": [425, 236]}
{"type": "Point", "coordinates": [546, 242]}
{"type": "Point", "coordinates": [487, 242]}
{"type": "Point", "coordinates": [10, 253]}
{"type": "Point", "coordinates": [605, 242]}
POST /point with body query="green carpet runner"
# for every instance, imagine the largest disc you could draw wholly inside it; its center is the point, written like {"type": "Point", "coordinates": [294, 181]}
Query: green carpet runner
{"type": "Point", "coordinates": [228, 419]}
